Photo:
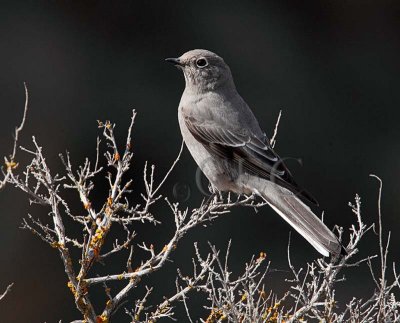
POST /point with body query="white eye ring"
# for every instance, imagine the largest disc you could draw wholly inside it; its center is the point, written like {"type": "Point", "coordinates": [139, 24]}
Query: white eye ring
{"type": "Point", "coordinates": [201, 62]}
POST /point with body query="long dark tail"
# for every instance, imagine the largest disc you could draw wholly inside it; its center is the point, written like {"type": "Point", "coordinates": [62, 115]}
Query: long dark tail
{"type": "Point", "coordinates": [299, 216]}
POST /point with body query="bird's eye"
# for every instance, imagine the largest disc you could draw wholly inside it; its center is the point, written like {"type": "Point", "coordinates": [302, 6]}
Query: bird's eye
{"type": "Point", "coordinates": [201, 62]}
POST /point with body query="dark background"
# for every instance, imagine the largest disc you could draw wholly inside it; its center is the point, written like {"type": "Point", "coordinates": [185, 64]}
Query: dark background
{"type": "Point", "coordinates": [332, 66]}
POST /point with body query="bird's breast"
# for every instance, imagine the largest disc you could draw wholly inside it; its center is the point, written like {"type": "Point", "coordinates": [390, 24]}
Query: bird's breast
{"type": "Point", "coordinates": [213, 167]}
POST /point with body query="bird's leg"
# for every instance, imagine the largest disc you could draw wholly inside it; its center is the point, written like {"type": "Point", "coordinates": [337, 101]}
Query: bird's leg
{"type": "Point", "coordinates": [221, 197]}
{"type": "Point", "coordinates": [210, 198]}
{"type": "Point", "coordinates": [213, 190]}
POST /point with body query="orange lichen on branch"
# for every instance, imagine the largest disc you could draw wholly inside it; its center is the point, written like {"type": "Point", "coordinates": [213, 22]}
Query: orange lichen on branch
{"type": "Point", "coordinates": [82, 289]}
{"type": "Point", "coordinates": [98, 239]}
{"type": "Point", "coordinates": [262, 257]}
{"type": "Point", "coordinates": [72, 288]}
{"type": "Point", "coordinates": [11, 165]}
{"type": "Point", "coordinates": [102, 319]}
{"type": "Point", "coordinates": [57, 245]}
{"type": "Point", "coordinates": [109, 303]}
{"type": "Point", "coordinates": [87, 205]}
{"type": "Point", "coordinates": [109, 201]}
{"type": "Point", "coordinates": [117, 157]}
{"type": "Point", "coordinates": [99, 234]}
{"type": "Point", "coordinates": [108, 211]}
{"type": "Point", "coordinates": [215, 316]}
{"type": "Point", "coordinates": [271, 315]}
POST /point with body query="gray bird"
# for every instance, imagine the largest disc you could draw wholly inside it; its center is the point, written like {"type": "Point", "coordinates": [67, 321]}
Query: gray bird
{"type": "Point", "coordinates": [227, 143]}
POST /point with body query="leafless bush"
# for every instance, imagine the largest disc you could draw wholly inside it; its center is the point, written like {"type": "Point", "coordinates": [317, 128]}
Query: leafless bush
{"type": "Point", "coordinates": [236, 299]}
{"type": "Point", "coordinates": [312, 293]}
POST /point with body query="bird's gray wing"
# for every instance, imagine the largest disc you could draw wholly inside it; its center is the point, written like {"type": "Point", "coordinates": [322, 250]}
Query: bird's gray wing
{"type": "Point", "coordinates": [246, 150]}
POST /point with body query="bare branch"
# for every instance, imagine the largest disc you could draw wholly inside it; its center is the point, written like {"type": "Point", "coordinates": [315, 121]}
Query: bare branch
{"type": "Point", "coordinates": [10, 161]}
{"type": "Point", "coordinates": [231, 297]}
{"type": "Point", "coordinates": [8, 289]}
{"type": "Point", "coordinates": [273, 139]}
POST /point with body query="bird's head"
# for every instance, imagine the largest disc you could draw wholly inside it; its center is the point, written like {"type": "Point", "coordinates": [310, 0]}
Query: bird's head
{"type": "Point", "coordinates": [203, 70]}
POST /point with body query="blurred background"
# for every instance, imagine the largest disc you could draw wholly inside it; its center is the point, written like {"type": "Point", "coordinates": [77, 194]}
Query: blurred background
{"type": "Point", "coordinates": [331, 66]}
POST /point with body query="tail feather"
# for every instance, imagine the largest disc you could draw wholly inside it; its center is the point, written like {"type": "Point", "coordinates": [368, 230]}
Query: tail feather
{"type": "Point", "coordinates": [299, 216]}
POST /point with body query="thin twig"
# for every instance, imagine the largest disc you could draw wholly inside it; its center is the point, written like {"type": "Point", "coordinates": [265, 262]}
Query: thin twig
{"type": "Point", "coordinates": [8, 289]}
{"type": "Point", "coordinates": [273, 139]}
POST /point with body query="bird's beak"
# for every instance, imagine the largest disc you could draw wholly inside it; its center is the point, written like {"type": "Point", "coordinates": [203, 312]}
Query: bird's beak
{"type": "Point", "coordinates": [175, 61]}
